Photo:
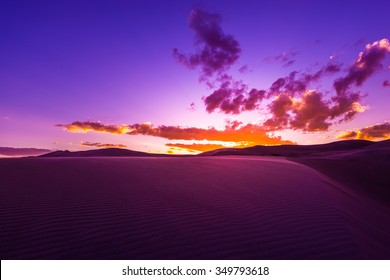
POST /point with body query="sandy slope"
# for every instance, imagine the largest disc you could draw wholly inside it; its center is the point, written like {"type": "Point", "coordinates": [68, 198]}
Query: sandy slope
{"type": "Point", "coordinates": [182, 208]}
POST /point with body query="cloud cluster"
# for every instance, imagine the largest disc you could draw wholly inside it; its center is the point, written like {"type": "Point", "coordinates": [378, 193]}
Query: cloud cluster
{"type": "Point", "coordinates": [250, 134]}
{"type": "Point", "coordinates": [294, 101]}
{"type": "Point", "coordinates": [297, 83]}
{"type": "Point", "coordinates": [102, 145]}
{"type": "Point", "coordinates": [310, 112]}
{"type": "Point", "coordinates": [217, 51]}
{"type": "Point", "coordinates": [374, 132]}
{"type": "Point", "coordinates": [294, 105]}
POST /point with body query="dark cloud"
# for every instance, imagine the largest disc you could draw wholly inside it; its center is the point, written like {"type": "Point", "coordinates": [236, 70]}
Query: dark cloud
{"type": "Point", "coordinates": [234, 132]}
{"type": "Point", "coordinates": [368, 62]}
{"type": "Point", "coordinates": [217, 51]}
{"type": "Point", "coordinates": [374, 132]}
{"type": "Point", "coordinates": [192, 107]}
{"type": "Point", "coordinates": [386, 83]}
{"type": "Point", "coordinates": [233, 98]}
{"type": "Point", "coordinates": [102, 145]}
{"type": "Point", "coordinates": [279, 109]}
{"type": "Point", "coordinates": [244, 69]}
{"type": "Point", "coordinates": [297, 83]}
{"type": "Point", "coordinates": [287, 58]}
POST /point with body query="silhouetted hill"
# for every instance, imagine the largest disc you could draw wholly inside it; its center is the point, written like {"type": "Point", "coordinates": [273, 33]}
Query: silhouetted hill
{"type": "Point", "coordinates": [295, 150]}
{"type": "Point", "coordinates": [110, 152]}
{"type": "Point", "coordinates": [330, 149]}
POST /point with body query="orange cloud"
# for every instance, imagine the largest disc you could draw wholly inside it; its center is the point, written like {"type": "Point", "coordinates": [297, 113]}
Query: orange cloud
{"type": "Point", "coordinates": [196, 147]}
{"type": "Point", "coordinates": [102, 145]}
{"type": "Point", "coordinates": [374, 132]}
{"type": "Point", "coordinates": [233, 132]}
{"type": "Point", "coordinates": [94, 126]}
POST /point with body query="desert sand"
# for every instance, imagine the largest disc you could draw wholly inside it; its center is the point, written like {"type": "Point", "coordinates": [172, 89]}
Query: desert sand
{"type": "Point", "coordinates": [210, 207]}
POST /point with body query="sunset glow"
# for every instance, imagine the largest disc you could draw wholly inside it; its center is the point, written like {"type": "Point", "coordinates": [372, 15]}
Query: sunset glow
{"type": "Point", "coordinates": [105, 75]}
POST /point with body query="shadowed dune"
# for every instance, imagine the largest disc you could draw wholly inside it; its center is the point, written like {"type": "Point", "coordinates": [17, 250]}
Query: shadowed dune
{"type": "Point", "coordinates": [183, 208]}
{"type": "Point", "coordinates": [366, 171]}
{"type": "Point", "coordinates": [361, 165]}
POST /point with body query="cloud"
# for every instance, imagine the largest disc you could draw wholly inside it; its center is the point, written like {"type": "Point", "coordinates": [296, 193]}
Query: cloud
{"type": "Point", "coordinates": [192, 107]}
{"type": "Point", "coordinates": [94, 126]}
{"type": "Point", "coordinates": [233, 98]}
{"type": "Point", "coordinates": [295, 100]}
{"type": "Point", "coordinates": [294, 104]}
{"type": "Point", "coordinates": [216, 52]}
{"type": "Point", "coordinates": [244, 69]}
{"type": "Point", "coordinates": [102, 145]}
{"type": "Point", "coordinates": [311, 111]}
{"type": "Point", "coordinates": [196, 147]}
{"type": "Point", "coordinates": [386, 83]}
{"type": "Point", "coordinates": [234, 132]}
{"type": "Point", "coordinates": [287, 58]}
{"type": "Point", "coordinates": [369, 61]}
{"type": "Point", "coordinates": [297, 83]}
{"type": "Point", "coordinates": [374, 132]}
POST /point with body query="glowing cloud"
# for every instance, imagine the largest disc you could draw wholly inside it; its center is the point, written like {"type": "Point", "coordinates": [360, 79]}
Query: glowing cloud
{"type": "Point", "coordinates": [374, 132]}
{"type": "Point", "coordinates": [369, 61]}
{"type": "Point", "coordinates": [233, 132]}
{"type": "Point", "coordinates": [196, 147]}
{"type": "Point", "coordinates": [94, 126]}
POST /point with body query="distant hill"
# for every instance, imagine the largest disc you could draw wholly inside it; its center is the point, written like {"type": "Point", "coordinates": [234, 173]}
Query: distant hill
{"type": "Point", "coordinates": [17, 152]}
{"type": "Point", "coordinates": [300, 150]}
{"type": "Point", "coordinates": [109, 152]}
{"type": "Point", "coordinates": [283, 150]}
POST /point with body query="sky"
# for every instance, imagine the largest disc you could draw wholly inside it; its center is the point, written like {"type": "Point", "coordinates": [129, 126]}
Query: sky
{"type": "Point", "coordinates": [190, 76]}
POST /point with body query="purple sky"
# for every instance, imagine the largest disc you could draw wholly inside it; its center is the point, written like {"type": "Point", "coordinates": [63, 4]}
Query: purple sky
{"type": "Point", "coordinates": [181, 65]}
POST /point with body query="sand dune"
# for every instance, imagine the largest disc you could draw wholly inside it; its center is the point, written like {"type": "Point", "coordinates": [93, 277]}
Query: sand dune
{"type": "Point", "coordinates": [183, 208]}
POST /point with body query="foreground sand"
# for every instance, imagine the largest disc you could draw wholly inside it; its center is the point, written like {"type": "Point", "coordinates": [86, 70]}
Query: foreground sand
{"type": "Point", "coordinates": [184, 208]}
